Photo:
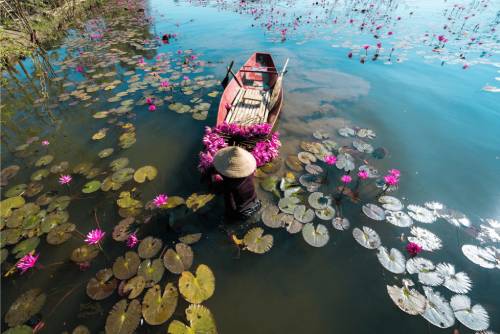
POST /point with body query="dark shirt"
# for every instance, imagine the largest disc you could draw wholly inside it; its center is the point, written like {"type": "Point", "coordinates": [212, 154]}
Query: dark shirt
{"type": "Point", "coordinates": [239, 194]}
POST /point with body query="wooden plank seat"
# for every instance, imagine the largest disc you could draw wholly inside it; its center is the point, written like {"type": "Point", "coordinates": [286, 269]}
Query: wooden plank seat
{"type": "Point", "coordinates": [249, 107]}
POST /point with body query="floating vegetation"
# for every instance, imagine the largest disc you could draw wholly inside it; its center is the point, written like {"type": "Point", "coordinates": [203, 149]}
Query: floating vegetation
{"type": "Point", "coordinates": [196, 202]}
{"type": "Point", "coordinates": [149, 247]}
{"type": "Point", "coordinates": [199, 287]}
{"type": "Point", "coordinates": [474, 317]}
{"type": "Point", "coordinates": [425, 238]}
{"type": "Point", "coordinates": [486, 257]}
{"type": "Point", "coordinates": [373, 211]}
{"type": "Point", "coordinates": [316, 236]}
{"type": "Point", "coordinates": [398, 218]}
{"type": "Point", "coordinates": [456, 282]}
{"type": "Point", "coordinates": [256, 242]}
{"type": "Point", "coordinates": [392, 260]}
{"type": "Point", "coordinates": [200, 320]}
{"type": "Point", "coordinates": [26, 305]}
{"type": "Point", "coordinates": [158, 307]}
{"type": "Point", "coordinates": [366, 237]}
{"type": "Point", "coordinates": [102, 285]}
{"type": "Point", "coordinates": [124, 317]}
{"type": "Point", "coordinates": [421, 214]}
{"type": "Point", "coordinates": [437, 310]}
{"type": "Point", "coordinates": [407, 299]}
{"type": "Point", "coordinates": [179, 260]}
{"type": "Point", "coordinates": [126, 266]}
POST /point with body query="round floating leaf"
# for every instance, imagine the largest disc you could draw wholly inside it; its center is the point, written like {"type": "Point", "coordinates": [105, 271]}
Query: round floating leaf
{"type": "Point", "coordinates": [457, 218]}
{"type": "Point", "coordinates": [315, 236]}
{"type": "Point", "coordinates": [125, 201]}
{"type": "Point", "coordinates": [271, 216]}
{"type": "Point", "coordinates": [319, 201]}
{"type": "Point", "coordinates": [20, 329]}
{"type": "Point", "coordinates": [16, 190]}
{"type": "Point", "coordinates": [8, 204]}
{"type": "Point", "coordinates": [149, 247]}
{"type": "Point", "coordinates": [173, 202]}
{"type": "Point", "coordinates": [196, 202]}
{"type": "Point", "coordinates": [190, 239]}
{"type": "Point", "coordinates": [288, 204]}
{"type": "Point", "coordinates": [197, 289]}
{"type": "Point", "coordinates": [306, 158]}
{"type": "Point", "coordinates": [105, 153]}
{"type": "Point", "coordinates": [34, 188]}
{"type": "Point", "coordinates": [119, 164]}
{"type": "Point", "coordinates": [123, 175]}
{"type": "Point", "coordinates": [256, 242]}
{"type": "Point", "coordinates": [484, 257]}
{"type": "Point", "coordinates": [60, 203]}
{"type": "Point", "coordinates": [25, 247]}
{"type": "Point", "coordinates": [11, 236]}
{"type": "Point", "coordinates": [391, 203]}
{"type": "Point", "coordinates": [474, 317]}
{"type": "Point", "coordinates": [123, 319]}
{"type": "Point", "coordinates": [84, 253]}
{"type": "Point", "coordinates": [126, 266]}
{"type": "Point", "coordinates": [346, 132]}
{"type": "Point", "coordinates": [326, 213]}
{"type": "Point", "coordinates": [44, 161]}
{"type": "Point", "coordinates": [60, 234]}
{"type": "Point", "coordinates": [269, 184]}
{"type": "Point", "coordinates": [91, 186]}
{"type": "Point", "coordinates": [158, 307]}
{"type": "Point", "coordinates": [425, 238]}
{"type": "Point", "coordinates": [314, 169]}
{"type": "Point", "coordinates": [45, 199]}
{"type": "Point", "coordinates": [179, 260]}
{"type": "Point", "coordinates": [24, 307]}
{"type": "Point", "coordinates": [394, 261]}
{"type": "Point", "coordinates": [291, 225]}
{"type": "Point", "coordinates": [437, 311]}
{"type": "Point", "coordinates": [373, 211]}
{"type": "Point", "coordinates": [421, 214]}
{"type": "Point", "coordinates": [345, 161]}
{"type": "Point", "coordinates": [294, 163]}
{"type": "Point", "coordinates": [372, 171]}
{"type": "Point", "coordinates": [273, 166]}
{"type": "Point", "coordinates": [8, 173]}
{"type": "Point", "coordinates": [366, 237]}
{"type": "Point", "coordinates": [431, 278]}
{"type": "Point", "coordinates": [80, 329]}
{"type": "Point", "coordinates": [362, 146]}
{"type": "Point", "coordinates": [201, 321]}
{"type": "Point", "coordinates": [82, 168]}
{"type": "Point", "coordinates": [303, 215]}
{"type": "Point", "coordinates": [121, 231]}
{"type": "Point", "coordinates": [311, 182]}
{"type": "Point", "coordinates": [398, 218]}
{"type": "Point", "coordinates": [134, 287]}
{"type": "Point", "coordinates": [145, 173]}
{"type": "Point", "coordinates": [419, 265]}
{"type": "Point", "coordinates": [456, 282]}
{"type": "Point", "coordinates": [109, 184]}
{"type": "Point", "coordinates": [152, 271]}
{"type": "Point", "coordinates": [408, 300]}
{"type": "Point", "coordinates": [102, 285]}
{"type": "Point", "coordinates": [60, 168]}
{"type": "Point", "coordinates": [341, 224]}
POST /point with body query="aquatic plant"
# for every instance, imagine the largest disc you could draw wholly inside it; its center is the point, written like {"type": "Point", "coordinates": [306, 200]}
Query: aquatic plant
{"type": "Point", "coordinates": [95, 236]}
{"type": "Point", "coordinates": [413, 248]}
{"type": "Point", "coordinates": [26, 262]}
{"type": "Point", "coordinates": [330, 160]}
{"type": "Point", "coordinates": [65, 179]}
{"type": "Point", "coordinates": [160, 200]}
{"type": "Point", "coordinates": [132, 240]}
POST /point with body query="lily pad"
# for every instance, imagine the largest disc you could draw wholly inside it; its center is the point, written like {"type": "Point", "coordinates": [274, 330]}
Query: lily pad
{"type": "Point", "coordinates": [152, 271]}
{"type": "Point", "coordinates": [394, 261]}
{"type": "Point", "coordinates": [24, 307]}
{"type": "Point", "coordinates": [425, 238]}
{"type": "Point", "coordinates": [119, 164]}
{"type": "Point", "coordinates": [16, 190]}
{"type": "Point", "coordinates": [421, 214]}
{"type": "Point", "coordinates": [367, 237]}
{"type": "Point", "coordinates": [102, 285]}
{"type": "Point", "coordinates": [8, 173]}
{"type": "Point", "coordinates": [271, 216]}
{"type": "Point", "coordinates": [474, 317]}
{"type": "Point", "coordinates": [197, 289]}
{"type": "Point", "coordinates": [19, 329]}
{"type": "Point", "coordinates": [270, 184]}
{"type": "Point", "coordinates": [179, 260]}
{"type": "Point", "coordinates": [201, 321]}
{"type": "Point", "coordinates": [326, 213]}
{"type": "Point", "coordinates": [25, 247]}
{"type": "Point", "coordinates": [317, 200]}
{"type": "Point", "coordinates": [84, 253]}
{"type": "Point", "coordinates": [484, 257]}
{"type": "Point", "coordinates": [8, 204]}
{"type": "Point", "coordinates": [302, 214]}
{"type": "Point", "coordinates": [60, 203]}
{"type": "Point", "coordinates": [306, 158]}
{"type": "Point", "coordinates": [391, 203]}
{"type": "Point", "coordinates": [437, 311]}
{"type": "Point", "coordinates": [126, 201]}
{"type": "Point", "coordinates": [149, 247]}
{"type": "Point", "coordinates": [91, 186]}
{"type": "Point", "coordinates": [256, 242]}
{"type": "Point", "coordinates": [294, 163]}
{"type": "Point", "coordinates": [123, 319]}
{"type": "Point", "coordinates": [315, 236]}
{"type": "Point", "coordinates": [173, 202]}
{"type": "Point", "coordinates": [82, 168]}
{"type": "Point", "coordinates": [134, 286]}
{"type": "Point", "coordinates": [373, 211]}
{"type": "Point", "coordinates": [126, 266]}
{"type": "Point", "coordinates": [398, 218]}
{"type": "Point", "coordinates": [190, 239]}
{"type": "Point", "coordinates": [341, 224]}
{"type": "Point", "coordinates": [60, 234]}
{"type": "Point", "coordinates": [419, 264]}
{"type": "Point", "coordinates": [408, 300]}
{"type": "Point", "coordinates": [196, 202]}
{"type": "Point", "coordinates": [44, 161]}
{"type": "Point", "coordinates": [145, 173]}
{"type": "Point", "coordinates": [122, 175]}
{"type": "Point", "coordinates": [314, 169]}
{"type": "Point", "coordinates": [345, 161]}
{"type": "Point", "coordinates": [288, 204]}
{"type": "Point", "coordinates": [158, 307]}
{"type": "Point", "coordinates": [105, 153]}
{"type": "Point", "coordinates": [33, 188]}
{"type": "Point", "coordinates": [458, 282]}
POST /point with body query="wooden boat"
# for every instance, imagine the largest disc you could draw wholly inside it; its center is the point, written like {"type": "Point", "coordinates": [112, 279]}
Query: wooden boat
{"type": "Point", "coordinates": [255, 93]}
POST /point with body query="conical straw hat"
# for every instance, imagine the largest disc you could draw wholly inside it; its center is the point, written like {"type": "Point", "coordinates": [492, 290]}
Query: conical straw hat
{"type": "Point", "coordinates": [234, 162]}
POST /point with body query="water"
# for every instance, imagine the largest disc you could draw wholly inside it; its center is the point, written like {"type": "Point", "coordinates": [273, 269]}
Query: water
{"type": "Point", "coordinates": [437, 122]}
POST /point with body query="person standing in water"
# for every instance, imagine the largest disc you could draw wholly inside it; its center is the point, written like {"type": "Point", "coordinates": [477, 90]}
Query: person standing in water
{"type": "Point", "coordinates": [235, 167]}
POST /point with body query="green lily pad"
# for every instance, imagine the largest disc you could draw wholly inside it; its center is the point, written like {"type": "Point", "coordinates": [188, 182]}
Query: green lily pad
{"type": "Point", "coordinates": [60, 234]}
{"type": "Point", "coordinates": [54, 219]}
{"type": "Point", "coordinates": [25, 306]}
{"type": "Point", "coordinates": [82, 168]}
{"type": "Point", "coordinates": [102, 285]}
{"type": "Point", "coordinates": [11, 236]}
{"type": "Point", "coordinates": [45, 198]}
{"type": "Point", "coordinates": [196, 202]}
{"type": "Point", "coordinates": [60, 203]}
{"type": "Point", "coordinates": [59, 168]}
{"type": "Point", "coordinates": [270, 184]}
{"type": "Point", "coordinates": [8, 204]}
{"type": "Point", "coordinates": [145, 173]}
{"type": "Point", "coordinates": [92, 173]}
{"type": "Point", "coordinates": [123, 319]}
{"type": "Point", "coordinates": [16, 190]}
{"type": "Point", "coordinates": [25, 247]}
{"type": "Point", "coordinates": [44, 161]}
{"type": "Point", "coordinates": [126, 266]}
{"type": "Point", "coordinates": [33, 220]}
{"type": "Point", "coordinates": [123, 175]}
{"type": "Point", "coordinates": [8, 173]}
{"type": "Point", "coordinates": [105, 153]}
{"type": "Point", "coordinates": [256, 242]}
{"type": "Point", "coordinates": [109, 184]}
{"type": "Point", "coordinates": [91, 186]}
{"type": "Point", "coordinates": [119, 164]}
{"type": "Point", "coordinates": [158, 307]}
{"type": "Point", "coordinates": [179, 260]}
{"type": "Point", "coordinates": [33, 188]}
{"type": "Point", "coordinates": [39, 174]}
{"type": "Point", "coordinates": [200, 320]}
{"type": "Point", "coordinates": [293, 162]}
{"type": "Point", "coordinates": [84, 253]}
{"type": "Point", "coordinates": [149, 247]}
{"type": "Point", "coordinates": [20, 329]}
{"type": "Point", "coordinates": [134, 286]}
{"type": "Point", "coordinates": [196, 289]}
{"type": "Point", "coordinates": [189, 239]}
{"type": "Point", "coordinates": [152, 271]}
{"type": "Point", "coordinates": [126, 201]}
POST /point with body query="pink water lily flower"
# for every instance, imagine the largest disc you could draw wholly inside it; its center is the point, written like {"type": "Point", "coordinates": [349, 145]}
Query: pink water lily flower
{"type": "Point", "coordinates": [413, 248]}
{"type": "Point", "coordinates": [185, 78]}
{"type": "Point", "coordinates": [65, 179]}
{"type": "Point", "coordinates": [79, 69]}
{"type": "Point", "coordinates": [346, 179]}
{"type": "Point", "coordinates": [149, 100]}
{"type": "Point", "coordinates": [391, 180]}
{"type": "Point", "coordinates": [152, 107]}
{"type": "Point", "coordinates": [26, 262]}
{"type": "Point", "coordinates": [164, 84]}
{"type": "Point", "coordinates": [363, 174]}
{"type": "Point", "coordinates": [132, 240]}
{"type": "Point", "coordinates": [45, 142]}
{"type": "Point", "coordinates": [94, 236]}
{"type": "Point", "coordinates": [160, 200]}
{"type": "Point", "coordinates": [330, 159]}
{"type": "Point", "coordinates": [395, 172]}
{"type": "Point", "coordinates": [366, 47]}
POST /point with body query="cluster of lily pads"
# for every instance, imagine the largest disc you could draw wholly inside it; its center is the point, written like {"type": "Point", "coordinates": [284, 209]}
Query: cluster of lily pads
{"type": "Point", "coordinates": [301, 204]}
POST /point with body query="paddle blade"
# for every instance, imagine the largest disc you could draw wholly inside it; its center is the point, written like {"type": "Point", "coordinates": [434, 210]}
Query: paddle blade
{"type": "Point", "coordinates": [225, 81]}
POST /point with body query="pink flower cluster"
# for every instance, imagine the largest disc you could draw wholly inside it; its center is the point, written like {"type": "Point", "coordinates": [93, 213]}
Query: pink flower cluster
{"type": "Point", "coordinates": [235, 130]}
{"type": "Point", "coordinates": [413, 248]}
{"type": "Point", "coordinates": [26, 262]}
{"type": "Point", "coordinates": [267, 150]}
{"type": "Point", "coordinates": [392, 179]}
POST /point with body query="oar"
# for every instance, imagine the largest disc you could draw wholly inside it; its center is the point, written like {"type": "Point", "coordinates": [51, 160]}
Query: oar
{"type": "Point", "coordinates": [225, 81]}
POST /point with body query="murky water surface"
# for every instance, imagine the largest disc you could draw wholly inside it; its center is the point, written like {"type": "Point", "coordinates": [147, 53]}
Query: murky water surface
{"type": "Point", "coordinates": [422, 75]}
